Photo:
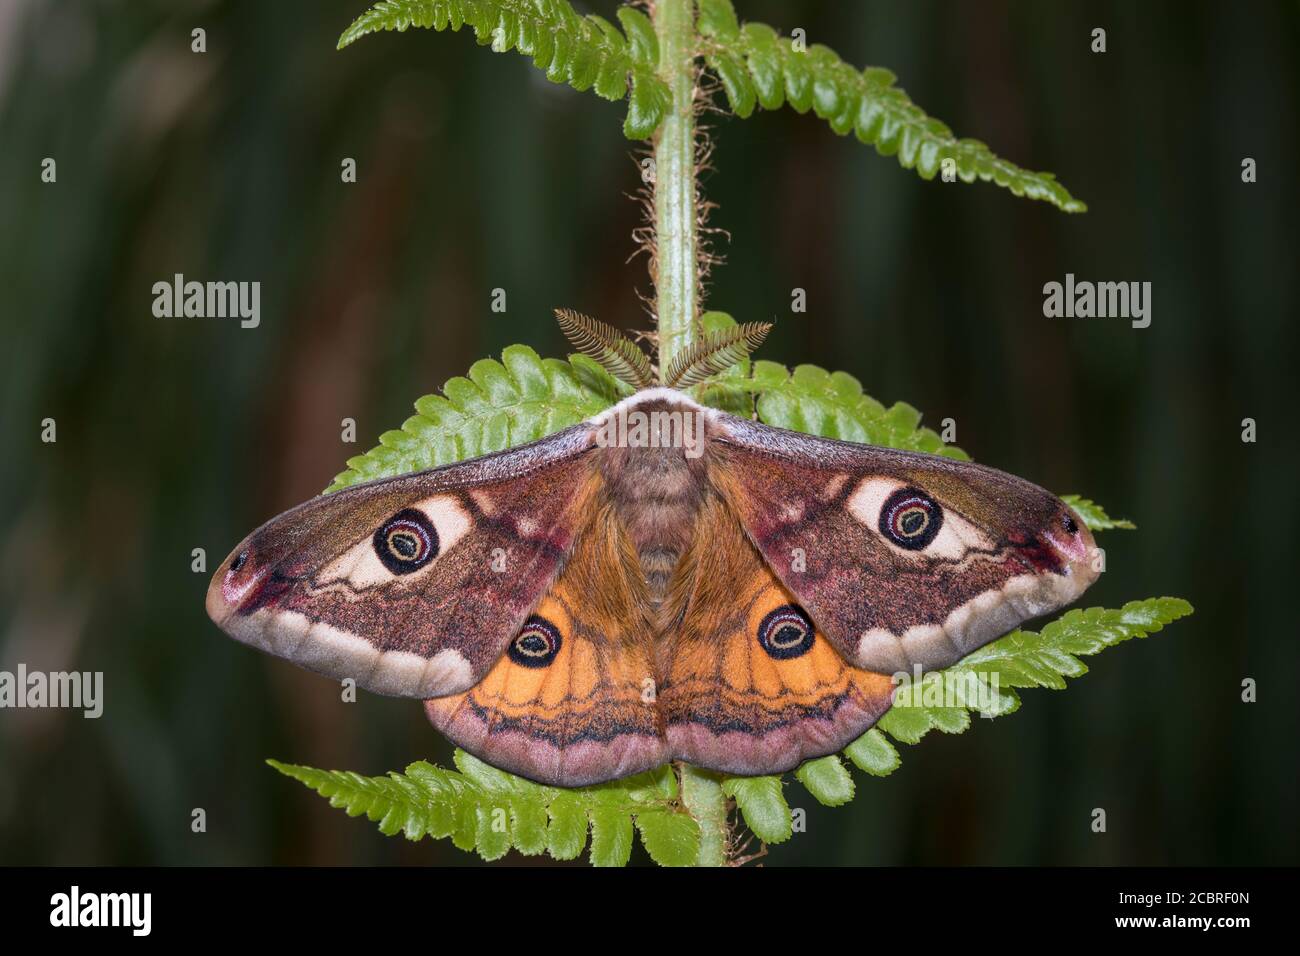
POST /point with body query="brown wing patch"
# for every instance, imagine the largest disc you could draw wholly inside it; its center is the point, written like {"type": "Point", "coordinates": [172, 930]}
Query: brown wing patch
{"type": "Point", "coordinates": [903, 559]}
{"type": "Point", "coordinates": [572, 700]}
{"type": "Point", "coordinates": [751, 686]}
{"type": "Point", "coordinates": [322, 585]}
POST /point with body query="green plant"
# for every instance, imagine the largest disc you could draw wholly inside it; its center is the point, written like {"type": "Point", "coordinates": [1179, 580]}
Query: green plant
{"type": "Point", "coordinates": [686, 816]}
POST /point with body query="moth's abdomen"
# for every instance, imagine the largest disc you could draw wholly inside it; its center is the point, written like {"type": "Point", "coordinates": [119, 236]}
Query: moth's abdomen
{"type": "Point", "coordinates": [656, 494]}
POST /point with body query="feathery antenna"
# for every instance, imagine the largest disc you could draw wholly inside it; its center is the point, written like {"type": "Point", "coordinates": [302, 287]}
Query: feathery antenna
{"type": "Point", "coordinates": [716, 352]}
{"type": "Point", "coordinates": [610, 348]}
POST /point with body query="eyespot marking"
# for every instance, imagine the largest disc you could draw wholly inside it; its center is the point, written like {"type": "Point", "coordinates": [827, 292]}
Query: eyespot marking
{"type": "Point", "coordinates": [537, 644]}
{"type": "Point", "coordinates": [406, 542]}
{"type": "Point", "coordinates": [910, 518]}
{"type": "Point", "coordinates": [786, 632]}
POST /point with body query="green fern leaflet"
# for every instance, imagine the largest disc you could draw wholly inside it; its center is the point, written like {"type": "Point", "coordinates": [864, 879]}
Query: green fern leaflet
{"type": "Point", "coordinates": [754, 63]}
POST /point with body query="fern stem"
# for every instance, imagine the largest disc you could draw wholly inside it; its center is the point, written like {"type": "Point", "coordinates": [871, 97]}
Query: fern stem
{"type": "Point", "coordinates": [677, 301]}
{"type": "Point", "coordinates": [676, 226]}
{"type": "Point", "coordinates": [704, 800]}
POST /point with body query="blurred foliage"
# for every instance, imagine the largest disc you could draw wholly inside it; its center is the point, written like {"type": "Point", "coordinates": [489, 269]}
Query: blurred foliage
{"type": "Point", "coordinates": [475, 174]}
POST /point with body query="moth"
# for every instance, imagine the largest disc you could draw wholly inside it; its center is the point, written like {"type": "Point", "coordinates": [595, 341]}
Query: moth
{"type": "Point", "coordinates": [664, 581]}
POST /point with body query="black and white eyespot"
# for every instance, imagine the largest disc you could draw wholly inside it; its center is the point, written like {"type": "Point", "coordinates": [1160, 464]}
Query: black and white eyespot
{"type": "Point", "coordinates": [406, 542]}
{"type": "Point", "coordinates": [786, 632]}
{"type": "Point", "coordinates": [537, 645]}
{"type": "Point", "coordinates": [910, 518]}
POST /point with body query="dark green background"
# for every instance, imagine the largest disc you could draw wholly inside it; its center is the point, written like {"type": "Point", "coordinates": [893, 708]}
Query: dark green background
{"type": "Point", "coordinates": [475, 173]}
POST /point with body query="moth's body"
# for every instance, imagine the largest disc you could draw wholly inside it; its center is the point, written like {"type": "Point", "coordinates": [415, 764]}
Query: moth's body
{"type": "Point", "coordinates": [656, 493]}
{"type": "Point", "coordinates": [576, 610]}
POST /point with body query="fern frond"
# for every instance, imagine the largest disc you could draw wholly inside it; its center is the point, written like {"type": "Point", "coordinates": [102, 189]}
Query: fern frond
{"type": "Point", "coordinates": [586, 52]}
{"type": "Point", "coordinates": [833, 405]}
{"type": "Point", "coordinates": [484, 809]}
{"type": "Point", "coordinates": [1094, 515]}
{"type": "Point", "coordinates": [759, 67]}
{"type": "Point", "coordinates": [499, 405]}
{"type": "Point", "coordinates": [1024, 659]}
{"type": "Point", "coordinates": [608, 347]}
{"type": "Point", "coordinates": [715, 352]}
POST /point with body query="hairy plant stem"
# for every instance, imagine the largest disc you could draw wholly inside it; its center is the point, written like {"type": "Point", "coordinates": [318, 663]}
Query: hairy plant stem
{"type": "Point", "coordinates": [676, 298]}
{"type": "Point", "coordinates": [676, 225]}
